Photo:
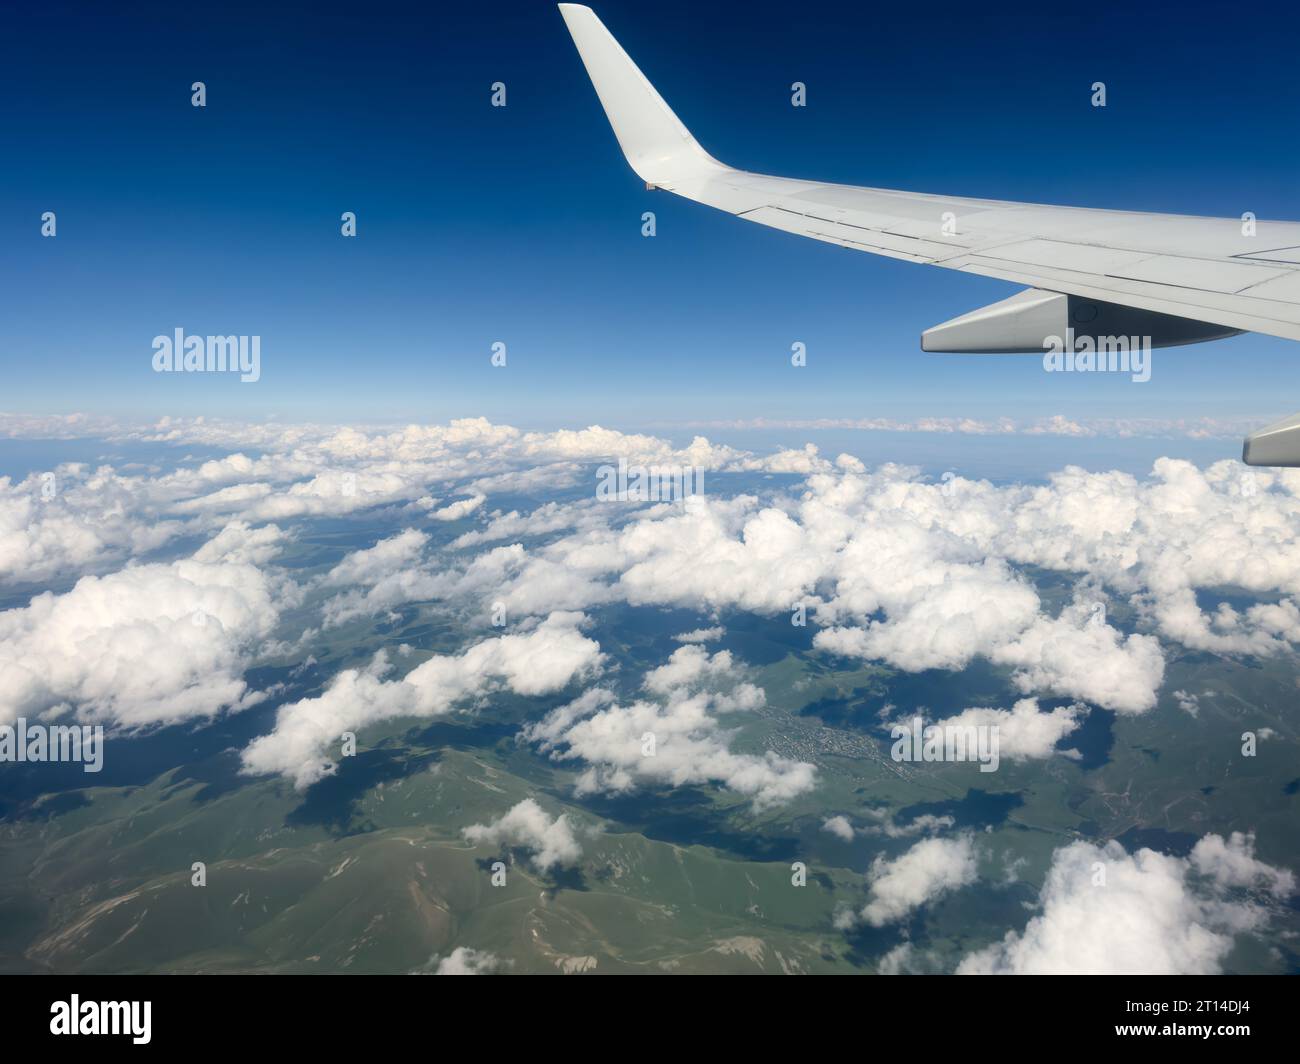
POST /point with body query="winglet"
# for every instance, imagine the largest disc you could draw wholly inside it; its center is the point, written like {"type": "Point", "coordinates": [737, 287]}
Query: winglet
{"type": "Point", "coordinates": [658, 147]}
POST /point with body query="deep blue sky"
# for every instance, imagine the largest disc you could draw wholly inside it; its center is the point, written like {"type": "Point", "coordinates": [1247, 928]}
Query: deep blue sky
{"type": "Point", "coordinates": [522, 224]}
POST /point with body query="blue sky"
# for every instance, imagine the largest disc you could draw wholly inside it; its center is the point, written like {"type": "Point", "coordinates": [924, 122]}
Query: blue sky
{"type": "Point", "coordinates": [522, 224]}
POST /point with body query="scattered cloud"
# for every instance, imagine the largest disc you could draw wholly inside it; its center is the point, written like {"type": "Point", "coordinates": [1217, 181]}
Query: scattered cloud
{"type": "Point", "coordinates": [550, 840]}
{"type": "Point", "coordinates": [838, 826]}
{"type": "Point", "coordinates": [701, 635]}
{"type": "Point", "coordinates": [546, 659]}
{"type": "Point", "coordinates": [1103, 911]}
{"type": "Point", "coordinates": [465, 961]}
{"type": "Point", "coordinates": [930, 869]}
{"type": "Point", "coordinates": [1025, 733]}
{"type": "Point", "coordinates": [675, 740]}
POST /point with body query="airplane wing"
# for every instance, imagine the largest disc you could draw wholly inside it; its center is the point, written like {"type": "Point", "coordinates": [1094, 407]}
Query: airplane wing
{"type": "Point", "coordinates": [1173, 278]}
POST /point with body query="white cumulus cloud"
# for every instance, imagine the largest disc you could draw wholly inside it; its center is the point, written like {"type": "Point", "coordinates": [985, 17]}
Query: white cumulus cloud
{"type": "Point", "coordinates": [545, 659]}
{"type": "Point", "coordinates": [927, 871]}
{"type": "Point", "coordinates": [550, 840]}
{"type": "Point", "coordinates": [1150, 914]}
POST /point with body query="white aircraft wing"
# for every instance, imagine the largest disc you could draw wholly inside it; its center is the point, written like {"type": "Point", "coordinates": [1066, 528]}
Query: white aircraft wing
{"type": "Point", "coordinates": [1174, 279]}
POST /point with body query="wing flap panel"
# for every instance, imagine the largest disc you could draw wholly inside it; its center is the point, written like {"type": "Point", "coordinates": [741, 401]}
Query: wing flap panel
{"type": "Point", "coordinates": [1206, 275]}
